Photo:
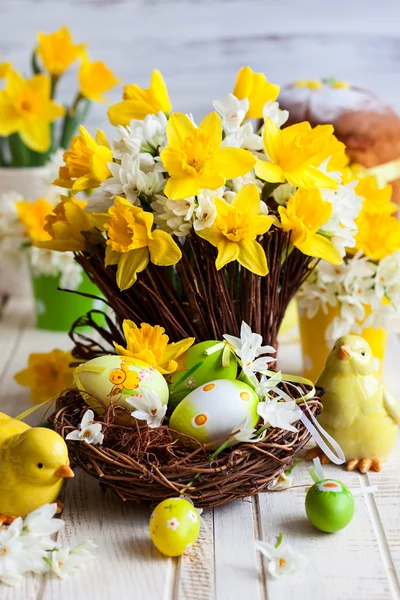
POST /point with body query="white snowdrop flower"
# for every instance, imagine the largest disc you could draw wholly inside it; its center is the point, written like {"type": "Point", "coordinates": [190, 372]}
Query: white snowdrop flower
{"type": "Point", "coordinates": [141, 136]}
{"type": "Point", "coordinates": [100, 201]}
{"type": "Point", "coordinates": [89, 431]}
{"type": "Point", "coordinates": [249, 349]}
{"type": "Point", "coordinates": [71, 271]}
{"type": "Point", "coordinates": [41, 522]}
{"type": "Point", "coordinates": [173, 216]}
{"type": "Point", "coordinates": [282, 559]}
{"type": "Point", "coordinates": [280, 414]}
{"type": "Point", "coordinates": [14, 558]}
{"type": "Point", "coordinates": [205, 212]}
{"type": "Point", "coordinates": [127, 144]}
{"type": "Point", "coordinates": [244, 433]}
{"type": "Point", "coordinates": [232, 111]}
{"type": "Point", "coordinates": [282, 482]}
{"type": "Point", "coordinates": [66, 561]}
{"type": "Point", "coordinates": [244, 137]}
{"type": "Point", "coordinates": [128, 179]}
{"type": "Point", "coordinates": [272, 111]}
{"type": "Point", "coordinates": [148, 408]}
{"type": "Point", "coordinates": [238, 182]}
{"type": "Point", "coordinates": [346, 205]}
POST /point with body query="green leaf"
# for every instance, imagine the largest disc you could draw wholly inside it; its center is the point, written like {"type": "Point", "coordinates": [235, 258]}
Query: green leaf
{"type": "Point", "coordinates": [73, 118]}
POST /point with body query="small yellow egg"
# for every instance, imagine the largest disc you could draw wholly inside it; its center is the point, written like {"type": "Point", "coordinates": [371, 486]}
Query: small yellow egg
{"type": "Point", "coordinates": [174, 525]}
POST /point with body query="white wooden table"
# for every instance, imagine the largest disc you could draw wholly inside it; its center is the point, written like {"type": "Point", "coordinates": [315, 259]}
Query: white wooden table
{"type": "Point", "coordinates": [360, 562]}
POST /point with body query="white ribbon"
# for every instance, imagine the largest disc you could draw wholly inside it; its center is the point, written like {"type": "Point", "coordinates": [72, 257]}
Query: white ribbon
{"type": "Point", "coordinates": [318, 433]}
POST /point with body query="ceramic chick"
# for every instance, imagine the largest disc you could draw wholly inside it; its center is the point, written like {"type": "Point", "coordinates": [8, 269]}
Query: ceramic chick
{"type": "Point", "coordinates": [33, 465]}
{"type": "Point", "coordinates": [358, 411]}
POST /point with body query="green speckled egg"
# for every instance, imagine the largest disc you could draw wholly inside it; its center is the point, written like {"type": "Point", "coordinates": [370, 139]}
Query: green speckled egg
{"type": "Point", "coordinates": [213, 410]}
{"type": "Point", "coordinates": [329, 505]}
{"type": "Point", "coordinates": [174, 525]}
{"type": "Point", "coordinates": [200, 368]}
{"type": "Point", "coordinates": [114, 378]}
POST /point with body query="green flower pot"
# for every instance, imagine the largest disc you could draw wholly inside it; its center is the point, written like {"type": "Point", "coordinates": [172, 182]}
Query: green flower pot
{"type": "Point", "coordinates": [57, 310]}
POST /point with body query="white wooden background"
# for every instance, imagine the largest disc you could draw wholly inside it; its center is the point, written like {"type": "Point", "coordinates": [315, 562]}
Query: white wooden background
{"type": "Point", "coordinates": [199, 46]}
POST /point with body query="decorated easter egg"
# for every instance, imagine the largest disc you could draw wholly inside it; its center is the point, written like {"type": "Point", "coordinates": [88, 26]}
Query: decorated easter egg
{"type": "Point", "coordinates": [329, 505]}
{"type": "Point", "coordinates": [114, 378]}
{"type": "Point", "coordinates": [200, 368]}
{"type": "Point", "coordinates": [174, 525]}
{"type": "Point", "coordinates": [213, 410]}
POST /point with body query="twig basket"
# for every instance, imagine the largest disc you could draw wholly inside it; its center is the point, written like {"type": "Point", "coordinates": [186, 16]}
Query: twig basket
{"type": "Point", "coordinates": [149, 465]}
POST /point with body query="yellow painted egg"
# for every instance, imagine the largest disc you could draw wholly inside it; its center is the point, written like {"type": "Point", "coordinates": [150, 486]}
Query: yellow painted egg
{"type": "Point", "coordinates": [114, 378]}
{"type": "Point", "coordinates": [212, 411]}
{"type": "Point", "coordinates": [174, 525]}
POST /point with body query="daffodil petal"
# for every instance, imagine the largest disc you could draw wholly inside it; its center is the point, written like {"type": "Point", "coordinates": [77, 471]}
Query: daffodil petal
{"type": "Point", "coordinates": [160, 91]}
{"type": "Point", "coordinates": [248, 199]}
{"type": "Point", "coordinates": [176, 349]}
{"type": "Point", "coordinates": [179, 127]}
{"type": "Point", "coordinates": [163, 250]}
{"type": "Point", "coordinates": [130, 264]}
{"type": "Point", "coordinates": [111, 257]}
{"type": "Point", "coordinates": [178, 189]}
{"type": "Point", "coordinates": [252, 257]}
{"type": "Point", "coordinates": [227, 252]}
{"type": "Point", "coordinates": [36, 135]}
{"type": "Point", "coordinates": [272, 138]}
{"type": "Point", "coordinates": [233, 162]}
{"type": "Point", "coordinates": [311, 177]}
{"type": "Point", "coordinates": [211, 126]}
{"type": "Point", "coordinates": [319, 247]}
{"type": "Point", "coordinates": [270, 172]}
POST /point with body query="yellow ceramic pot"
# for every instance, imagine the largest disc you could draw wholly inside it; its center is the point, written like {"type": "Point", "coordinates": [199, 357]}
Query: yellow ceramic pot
{"type": "Point", "coordinates": [315, 347]}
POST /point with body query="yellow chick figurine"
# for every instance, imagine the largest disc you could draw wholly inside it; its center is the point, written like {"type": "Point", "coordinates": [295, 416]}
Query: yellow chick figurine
{"type": "Point", "coordinates": [358, 411]}
{"type": "Point", "coordinates": [33, 465]}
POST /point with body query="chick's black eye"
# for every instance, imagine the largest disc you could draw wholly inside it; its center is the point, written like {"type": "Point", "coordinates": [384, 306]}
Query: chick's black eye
{"type": "Point", "coordinates": [362, 353]}
{"type": "Point", "coordinates": [40, 465]}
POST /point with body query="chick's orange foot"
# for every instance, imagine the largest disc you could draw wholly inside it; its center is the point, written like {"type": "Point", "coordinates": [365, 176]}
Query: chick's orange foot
{"type": "Point", "coordinates": [6, 520]}
{"type": "Point", "coordinates": [364, 464]}
{"type": "Point", "coordinates": [317, 453]}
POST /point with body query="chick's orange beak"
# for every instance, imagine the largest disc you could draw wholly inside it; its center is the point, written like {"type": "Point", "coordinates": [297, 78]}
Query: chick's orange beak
{"type": "Point", "coordinates": [344, 352]}
{"type": "Point", "coordinates": [64, 471]}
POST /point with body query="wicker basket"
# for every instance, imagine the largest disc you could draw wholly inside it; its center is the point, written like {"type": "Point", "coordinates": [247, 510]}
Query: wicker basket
{"type": "Point", "coordinates": [148, 465]}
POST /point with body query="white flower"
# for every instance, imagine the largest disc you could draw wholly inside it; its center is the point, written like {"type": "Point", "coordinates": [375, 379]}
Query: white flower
{"type": "Point", "coordinates": [248, 347]}
{"type": "Point", "coordinates": [149, 408]}
{"type": "Point", "coordinates": [282, 482]}
{"type": "Point", "coordinates": [283, 193]}
{"type": "Point", "coordinates": [205, 212]}
{"type": "Point", "coordinates": [283, 559]}
{"type": "Point", "coordinates": [174, 216]}
{"type": "Point", "coordinates": [272, 111]}
{"type": "Point", "coordinates": [346, 205]}
{"type": "Point", "coordinates": [40, 522]}
{"type": "Point", "coordinates": [66, 561]}
{"type": "Point", "coordinates": [238, 182]}
{"type": "Point", "coordinates": [232, 111]}
{"type": "Point", "coordinates": [141, 135]}
{"type": "Point", "coordinates": [173, 523]}
{"type": "Point", "coordinates": [89, 431]}
{"type": "Point", "coordinates": [14, 559]}
{"type": "Point", "coordinates": [244, 433]}
{"type": "Point", "coordinates": [244, 137]}
{"type": "Point", "coordinates": [280, 414]}
{"type": "Point", "coordinates": [128, 179]}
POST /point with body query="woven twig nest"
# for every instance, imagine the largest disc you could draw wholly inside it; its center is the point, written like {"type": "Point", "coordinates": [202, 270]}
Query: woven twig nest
{"type": "Point", "coordinates": [149, 465]}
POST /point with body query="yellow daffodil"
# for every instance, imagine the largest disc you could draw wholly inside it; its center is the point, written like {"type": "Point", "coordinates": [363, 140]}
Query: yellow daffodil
{"type": "Point", "coordinates": [47, 374]}
{"type": "Point", "coordinates": [256, 88]}
{"type": "Point", "coordinates": [195, 160]}
{"type": "Point", "coordinates": [306, 212]}
{"type": "Point", "coordinates": [57, 51]}
{"type": "Point", "coordinates": [295, 153]}
{"type": "Point", "coordinates": [138, 102]}
{"type": "Point", "coordinates": [95, 79]}
{"type": "Point", "coordinates": [132, 243]}
{"type": "Point", "coordinates": [376, 200]}
{"type": "Point", "coordinates": [26, 108]}
{"type": "Point", "coordinates": [235, 230]}
{"type": "Point", "coordinates": [150, 345]}
{"type": "Point", "coordinates": [85, 162]}
{"type": "Point", "coordinates": [378, 234]}
{"type": "Point", "coordinates": [66, 224]}
{"type": "Point", "coordinates": [33, 216]}
{"type": "Point", "coordinates": [5, 68]}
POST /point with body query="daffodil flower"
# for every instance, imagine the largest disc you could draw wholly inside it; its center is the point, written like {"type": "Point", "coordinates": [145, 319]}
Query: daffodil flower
{"type": "Point", "coordinates": [27, 108]}
{"type": "Point", "coordinates": [89, 431]}
{"type": "Point", "coordinates": [235, 229]}
{"type": "Point", "coordinates": [86, 162]}
{"type": "Point", "coordinates": [305, 214]}
{"type": "Point", "coordinates": [5, 68]}
{"type": "Point", "coordinates": [280, 414]}
{"type": "Point", "coordinates": [95, 79]}
{"type": "Point", "coordinates": [138, 102]}
{"type": "Point", "coordinates": [148, 408]}
{"type": "Point", "coordinates": [256, 89]}
{"type": "Point", "coordinates": [132, 244]}
{"type": "Point", "coordinates": [282, 559]}
{"type": "Point", "coordinates": [150, 344]}
{"type": "Point", "coordinates": [295, 153]}
{"type": "Point", "coordinates": [57, 51]}
{"type": "Point", "coordinates": [195, 160]}
{"type": "Point", "coordinates": [378, 235]}
{"type": "Point", "coordinates": [33, 216]}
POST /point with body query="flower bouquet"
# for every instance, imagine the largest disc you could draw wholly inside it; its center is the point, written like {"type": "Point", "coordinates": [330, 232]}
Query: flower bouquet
{"type": "Point", "coordinates": [362, 295]}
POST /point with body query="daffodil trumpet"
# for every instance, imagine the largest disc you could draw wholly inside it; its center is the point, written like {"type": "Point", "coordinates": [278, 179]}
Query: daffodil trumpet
{"type": "Point", "coordinates": [28, 110]}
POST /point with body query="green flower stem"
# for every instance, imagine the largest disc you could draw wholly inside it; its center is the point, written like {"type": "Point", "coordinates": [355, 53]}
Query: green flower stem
{"type": "Point", "coordinates": [75, 116]}
{"type": "Point", "coordinates": [20, 154]}
{"type": "Point", "coordinates": [3, 162]}
{"type": "Point", "coordinates": [279, 540]}
{"type": "Point", "coordinates": [34, 64]}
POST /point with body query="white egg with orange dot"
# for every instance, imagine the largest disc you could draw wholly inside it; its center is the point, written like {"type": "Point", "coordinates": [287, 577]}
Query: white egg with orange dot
{"type": "Point", "coordinates": [210, 412]}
